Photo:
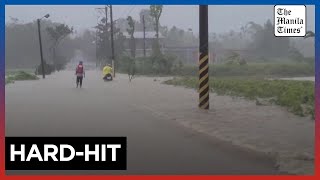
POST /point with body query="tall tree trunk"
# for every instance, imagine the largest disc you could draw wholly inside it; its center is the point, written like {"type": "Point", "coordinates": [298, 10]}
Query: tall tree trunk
{"type": "Point", "coordinates": [157, 29]}
{"type": "Point", "coordinates": [133, 47]}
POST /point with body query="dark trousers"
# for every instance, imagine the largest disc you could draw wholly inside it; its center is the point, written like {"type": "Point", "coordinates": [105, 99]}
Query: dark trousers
{"type": "Point", "coordinates": [79, 80]}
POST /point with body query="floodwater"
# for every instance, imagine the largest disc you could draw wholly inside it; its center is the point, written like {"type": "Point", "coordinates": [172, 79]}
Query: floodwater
{"type": "Point", "coordinates": [166, 122]}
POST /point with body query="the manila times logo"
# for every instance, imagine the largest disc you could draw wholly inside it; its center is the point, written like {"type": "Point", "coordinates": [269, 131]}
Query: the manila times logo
{"type": "Point", "coordinates": [290, 20]}
{"type": "Point", "coordinates": [65, 153]}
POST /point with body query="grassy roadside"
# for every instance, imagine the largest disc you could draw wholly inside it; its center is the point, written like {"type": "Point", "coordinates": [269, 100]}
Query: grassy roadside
{"type": "Point", "coordinates": [297, 96]}
{"type": "Point", "coordinates": [254, 69]}
{"type": "Point", "coordinates": [11, 77]}
{"type": "Point", "coordinates": [266, 70]}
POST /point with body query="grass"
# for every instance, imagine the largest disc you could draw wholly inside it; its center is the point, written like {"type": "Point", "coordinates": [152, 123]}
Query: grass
{"type": "Point", "coordinates": [15, 71]}
{"type": "Point", "coordinates": [8, 81]}
{"type": "Point", "coordinates": [19, 76]}
{"type": "Point", "coordinates": [254, 69]}
{"type": "Point", "coordinates": [297, 96]}
{"type": "Point", "coordinates": [266, 70]}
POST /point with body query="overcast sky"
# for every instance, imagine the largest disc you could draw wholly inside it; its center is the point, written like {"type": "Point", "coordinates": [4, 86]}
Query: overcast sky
{"type": "Point", "coordinates": [221, 18]}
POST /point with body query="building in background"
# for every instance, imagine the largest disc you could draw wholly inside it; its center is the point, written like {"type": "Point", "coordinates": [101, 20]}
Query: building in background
{"type": "Point", "coordinates": [138, 36]}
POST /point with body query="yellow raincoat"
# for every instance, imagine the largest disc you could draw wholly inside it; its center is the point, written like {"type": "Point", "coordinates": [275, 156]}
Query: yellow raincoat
{"type": "Point", "coordinates": [107, 70]}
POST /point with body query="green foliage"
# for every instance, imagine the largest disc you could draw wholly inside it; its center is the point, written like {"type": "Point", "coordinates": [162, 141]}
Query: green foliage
{"type": "Point", "coordinates": [57, 34]}
{"type": "Point", "coordinates": [48, 68]}
{"type": "Point", "coordinates": [264, 43]}
{"type": "Point", "coordinates": [155, 12]}
{"type": "Point", "coordinates": [130, 30]}
{"type": "Point", "coordinates": [168, 65]}
{"type": "Point", "coordinates": [163, 64]}
{"type": "Point", "coordinates": [131, 26]}
{"type": "Point", "coordinates": [103, 41]}
{"type": "Point", "coordinates": [20, 76]}
{"type": "Point", "coordinates": [60, 63]}
{"type": "Point", "coordinates": [9, 80]}
{"type": "Point", "coordinates": [253, 70]}
{"type": "Point", "coordinates": [235, 58]}
{"type": "Point", "coordinates": [295, 55]}
{"type": "Point", "coordinates": [22, 44]}
{"type": "Point", "coordinates": [298, 96]}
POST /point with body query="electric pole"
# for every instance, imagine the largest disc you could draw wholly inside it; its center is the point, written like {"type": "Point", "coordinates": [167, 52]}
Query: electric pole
{"type": "Point", "coordinates": [96, 43]}
{"type": "Point", "coordinates": [106, 38]}
{"type": "Point", "coordinates": [203, 58]}
{"type": "Point", "coordinates": [112, 43]}
{"type": "Point", "coordinates": [40, 43]}
{"type": "Point", "coordinates": [41, 53]}
{"type": "Point", "coordinates": [144, 37]}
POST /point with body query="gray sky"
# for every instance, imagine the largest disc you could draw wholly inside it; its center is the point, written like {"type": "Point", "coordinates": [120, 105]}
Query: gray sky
{"type": "Point", "coordinates": [221, 18]}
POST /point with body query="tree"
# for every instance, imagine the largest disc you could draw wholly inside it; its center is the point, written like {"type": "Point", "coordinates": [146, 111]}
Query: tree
{"type": "Point", "coordinates": [103, 41]}
{"type": "Point", "coordinates": [130, 31]}
{"type": "Point", "coordinates": [122, 24]}
{"type": "Point", "coordinates": [164, 31]}
{"type": "Point", "coordinates": [85, 42]}
{"type": "Point", "coordinates": [264, 43]}
{"type": "Point", "coordinates": [148, 19]}
{"type": "Point", "coordinates": [155, 12]}
{"type": "Point", "coordinates": [57, 34]}
{"type": "Point", "coordinates": [22, 44]}
{"type": "Point", "coordinates": [131, 68]}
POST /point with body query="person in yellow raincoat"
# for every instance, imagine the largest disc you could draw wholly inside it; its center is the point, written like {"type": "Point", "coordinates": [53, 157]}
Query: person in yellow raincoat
{"type": "Point", "coordinates": [107, 72]}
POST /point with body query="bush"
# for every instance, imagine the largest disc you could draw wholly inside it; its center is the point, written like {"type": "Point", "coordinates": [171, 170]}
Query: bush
{"type": "Point", "coordinates": [9, 80]}
{"type": "Point", "coordinates": [298, 96]}
{"type": "Point", "coordinates": [167, 65]}
{"type": "Point", "coordinates": [253, 69]}
{"type": "Point", "coordinates": [60, 63]}
{"type": "Point", "coordinates": [49, 68]}
{"type": "Point", "coordinates": [20, 76]}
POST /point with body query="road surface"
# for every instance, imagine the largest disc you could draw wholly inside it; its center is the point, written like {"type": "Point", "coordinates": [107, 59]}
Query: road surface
{"type": "Point", "coordinates": [156, 144]}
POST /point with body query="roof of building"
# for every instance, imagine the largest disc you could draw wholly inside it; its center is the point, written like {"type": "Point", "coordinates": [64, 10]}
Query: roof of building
{"type": "Point", "coordinates": [139, 35]}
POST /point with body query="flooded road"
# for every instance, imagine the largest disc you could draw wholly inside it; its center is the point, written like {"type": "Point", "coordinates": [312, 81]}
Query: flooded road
{"type": "Point", "coordinates": [166, 123]}
{"type": "Point", "coordinates": [156, 144]}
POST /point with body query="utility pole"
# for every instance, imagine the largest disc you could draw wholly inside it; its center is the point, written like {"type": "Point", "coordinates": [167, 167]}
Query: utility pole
{"type": "Point", "coordinates": [106, 14]}
{"type": "Point", "coordinates": [106, 38]}
{"type": "Point", "coordinates": [144, 37]}
{"type": "Point", "coordinates": [112, 43]}
{"type": "Point", "coordinates": [41, 53]}
{"type": "Point", "coordinates": [203, 58]}
{"type": "Point", "coordinates": [96, 43]}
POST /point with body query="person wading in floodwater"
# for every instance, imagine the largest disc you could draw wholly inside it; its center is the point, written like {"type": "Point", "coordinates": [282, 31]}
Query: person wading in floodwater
{"type": "Point", "coordinates": [80, 74]}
